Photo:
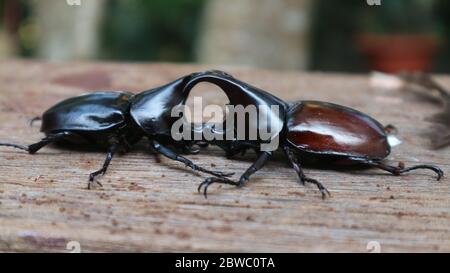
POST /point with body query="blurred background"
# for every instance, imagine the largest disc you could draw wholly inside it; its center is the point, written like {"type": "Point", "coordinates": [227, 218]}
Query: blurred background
{"type": "Point", "coordinates": [320, 35]}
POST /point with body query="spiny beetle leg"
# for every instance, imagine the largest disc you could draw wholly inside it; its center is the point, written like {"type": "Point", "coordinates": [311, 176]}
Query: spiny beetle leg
{"type": "Point", "coordinates": [92, 184]}
{"type": "Point", "coordinates": [158, 147]}
{"type": "Point", "coordinates": [401, 168]}
{"type": "Point", "coordinates": [195, 167]}
{"type": "Point", "coordinates": [92, 177]}
{"type": "Point", "coordinates": [319, 185]}
{"type": "Point", "coordinates": [303, 178]}
{"type": "Point", "coordinates": [219, 180]}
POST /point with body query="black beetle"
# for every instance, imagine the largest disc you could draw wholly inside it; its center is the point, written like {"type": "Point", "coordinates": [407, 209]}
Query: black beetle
{"type": "Point", "coordinates": [307, 131]}
{"type": "Point", "coordinates": [117, 120]}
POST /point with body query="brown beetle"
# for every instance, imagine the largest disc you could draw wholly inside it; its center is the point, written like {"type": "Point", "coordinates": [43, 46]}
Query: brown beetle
{"type": "Point", "coordinates": [307, 130]}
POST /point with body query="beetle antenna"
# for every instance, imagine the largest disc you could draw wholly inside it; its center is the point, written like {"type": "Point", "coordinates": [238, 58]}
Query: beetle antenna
{"type": "Point", "coordinates": [20, 147]}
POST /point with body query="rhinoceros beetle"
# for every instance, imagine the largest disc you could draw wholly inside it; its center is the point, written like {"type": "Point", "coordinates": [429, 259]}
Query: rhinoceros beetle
{"type": "Point", "coordinates": [307, 130]}
{"type": "Point", "coordinates": [115, 121]}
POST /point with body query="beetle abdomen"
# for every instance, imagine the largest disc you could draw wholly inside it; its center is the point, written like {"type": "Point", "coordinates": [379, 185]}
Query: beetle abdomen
{"type": "Point", "coordinates": [90, 112]}
{"type": "Point", "coordinates": [326, 128]}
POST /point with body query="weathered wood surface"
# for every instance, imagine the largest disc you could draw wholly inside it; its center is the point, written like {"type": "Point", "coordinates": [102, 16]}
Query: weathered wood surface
{"type": "Point", "coordinates": [145, 206]}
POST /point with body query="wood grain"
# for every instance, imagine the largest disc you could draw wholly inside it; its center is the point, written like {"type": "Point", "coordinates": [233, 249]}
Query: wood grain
{"type": "Point", "coordinates": [149, 207]}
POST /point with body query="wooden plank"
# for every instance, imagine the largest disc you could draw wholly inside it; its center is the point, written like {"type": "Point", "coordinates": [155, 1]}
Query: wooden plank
{"type": "Point", "coordinates": [145, 206]}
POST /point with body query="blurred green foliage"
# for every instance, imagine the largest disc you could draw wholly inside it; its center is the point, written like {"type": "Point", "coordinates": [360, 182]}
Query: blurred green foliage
{"type": "Point", "coordinates": [18, 21]}
{"type": "Point", "coordinates": [400, 16]}
{"type": "Point", "coordinates": [156, 30]}
{"type": "Point", "coordinates": [27, 30]}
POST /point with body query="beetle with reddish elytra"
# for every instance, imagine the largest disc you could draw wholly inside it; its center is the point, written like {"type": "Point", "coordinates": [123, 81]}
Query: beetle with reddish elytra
{"type": "Point", "coordinates": [117, 120]}
{"type": "Point", "coordinates": [307, 131]}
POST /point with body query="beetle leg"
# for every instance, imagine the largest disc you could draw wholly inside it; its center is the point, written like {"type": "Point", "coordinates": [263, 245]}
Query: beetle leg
{"type": "Point", "coordinates": [155, 154]}
{"type": "Point", "coordinates": [92, 181]}
{"type": "Point", "coordinates": [220, 180]}
{"type": "Point", "coordinates": [15, 146]}
{"type": "Point", "coordinates": [400, 169]}
{"type": "Point", "coordinates": [303, 178]}
{"type": "Point", "coordinates": [172, 155]}
{"type": "Point", "coordinates": [260, 162]}
{"type": "Point", "coordinates": [34, 148]}
{"type": "Point", "coordinates": [295, 165]}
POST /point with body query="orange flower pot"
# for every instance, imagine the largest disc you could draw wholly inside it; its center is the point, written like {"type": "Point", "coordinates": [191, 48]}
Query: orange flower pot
{"type": "Point", "coordinates": [393, 53]}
